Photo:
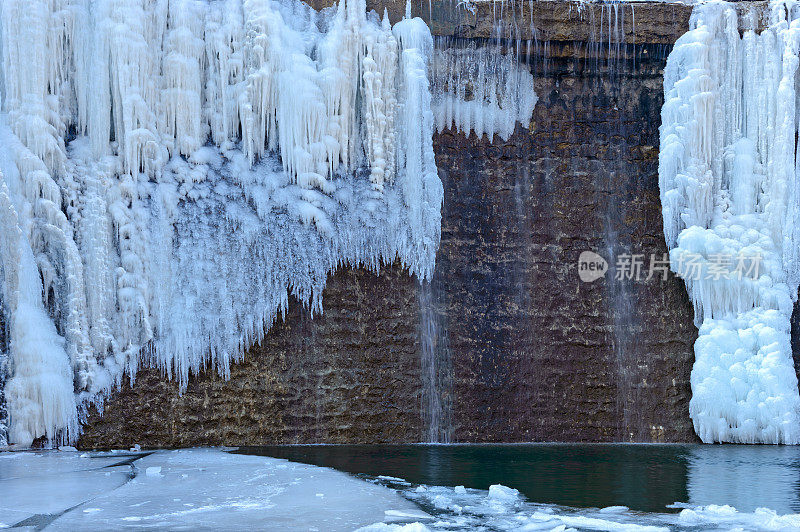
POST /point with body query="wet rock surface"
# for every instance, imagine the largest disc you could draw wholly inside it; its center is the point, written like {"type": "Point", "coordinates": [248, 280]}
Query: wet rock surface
{"type": "Point", "coordinates": [537, 353]}
{"type": "Point", "coordinates": [349, 375]}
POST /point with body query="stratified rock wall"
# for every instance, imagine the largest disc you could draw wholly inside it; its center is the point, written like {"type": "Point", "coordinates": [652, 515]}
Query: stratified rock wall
{"type": "Point", "coordinates": [538, 354]}
{"type": "Point", "coordinates": [533, 353]}
{"type": "Point", "coordinates": [349, 375]}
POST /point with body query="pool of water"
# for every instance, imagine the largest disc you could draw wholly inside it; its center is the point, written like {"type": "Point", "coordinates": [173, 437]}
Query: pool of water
{"type": "Point", "coordinates": [646, 478]}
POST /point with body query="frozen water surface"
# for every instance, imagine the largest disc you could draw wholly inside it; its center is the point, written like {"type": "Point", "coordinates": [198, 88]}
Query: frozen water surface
{"type": "Point", "coordinates": [503, 508]}
{"type": "Point", "coordinates": [193, 489]}
{"type": "Point", "coordinates": [576, 486]}
{"type": "Point", "coordinates": [211, 489]}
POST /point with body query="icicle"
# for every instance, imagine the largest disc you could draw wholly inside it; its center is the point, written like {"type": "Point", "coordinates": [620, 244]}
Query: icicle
{"type": "Point", "coordinates": [39, 391]}
{"type": "Point", "coordinates": [728, 176]}
{"type": "Point", "coordinates": [182, 77]}
{"type": "Point", "coordinates": [419, 181]}
{"type": "Point", "coordinates": [379, 67]}
{"type": "Point", "coordinates": [176, 169]}
{"type": "Point", "coordinates": [481, 90]}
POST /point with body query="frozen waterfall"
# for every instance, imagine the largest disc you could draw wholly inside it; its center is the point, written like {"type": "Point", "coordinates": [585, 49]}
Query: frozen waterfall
{"type": "Point", "coordinates": [483, 90]}
{"type": "Point", "coordinates": [728, 173]}
{"type": "Point", "coordinates": [172, 170]}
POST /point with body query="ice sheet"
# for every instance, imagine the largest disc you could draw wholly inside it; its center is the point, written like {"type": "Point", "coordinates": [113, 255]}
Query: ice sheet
{"type": "Point", "coordinates": [193, 489]}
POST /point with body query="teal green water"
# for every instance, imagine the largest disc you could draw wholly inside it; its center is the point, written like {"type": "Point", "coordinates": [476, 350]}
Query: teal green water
{"type": "Point", "coordinates": [643, 477]}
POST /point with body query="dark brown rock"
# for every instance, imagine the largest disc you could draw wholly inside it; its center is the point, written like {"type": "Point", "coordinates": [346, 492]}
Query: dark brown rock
{"type": "Point", "coordinates": [4, 341]}
{"type": "Point", "coordinates": [349, 375]}
{"type": "Point", "coordinates": [538, 354]}
{"type": "Point", "coordinates": [545, 20]}
{"type": "Point", "coordinates": [795, 334]}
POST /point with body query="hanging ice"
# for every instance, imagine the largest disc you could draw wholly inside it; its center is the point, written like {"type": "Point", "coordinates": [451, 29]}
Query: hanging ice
{"type": "Point", "coordinates": [728, 173]}
{"type": "Point", "coordinates": [172, 170]}
{"type": "Point", "coordinates": [481, 89]}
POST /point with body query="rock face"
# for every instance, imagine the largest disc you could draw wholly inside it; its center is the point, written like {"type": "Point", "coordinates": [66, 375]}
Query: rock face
{"type": "Point", "coordinates": [538, 354]}
{"type": "Point", "coordinates": [3, 372]}
{"type": "Point", "coordinates": [351, 374]}
{"type": "Point", "coordinates": [524, 350]}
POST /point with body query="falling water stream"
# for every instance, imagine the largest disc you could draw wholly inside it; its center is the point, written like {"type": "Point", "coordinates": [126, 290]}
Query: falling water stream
{"type": "Point", "coordinates": [435, 368]}
{"type": "Point", "coordinates": [609, 50]}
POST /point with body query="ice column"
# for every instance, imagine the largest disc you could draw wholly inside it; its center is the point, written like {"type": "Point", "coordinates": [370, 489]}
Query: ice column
{"type": "Point", "coordinates": [728, 174]}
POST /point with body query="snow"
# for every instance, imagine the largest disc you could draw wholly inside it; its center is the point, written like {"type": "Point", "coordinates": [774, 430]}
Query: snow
{"type": "Point", "coordinates": [728, 180]}
{"type": "Point", "coordinates": [196, 488]}
{"type": "Point", "coordinates": [171, 171]}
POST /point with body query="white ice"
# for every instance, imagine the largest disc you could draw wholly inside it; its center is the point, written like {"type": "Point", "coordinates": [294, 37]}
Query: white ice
{"type": "Point", "coordinates": [171, 171]}
{"type": "Point", "coordinates": [505, 509]}
{"type": "Point", "coordinates": [195, 489]}
{"type": "Point", "coordinates": [728, 175]}
{"type": "Point", "coordinates": [481, 89]}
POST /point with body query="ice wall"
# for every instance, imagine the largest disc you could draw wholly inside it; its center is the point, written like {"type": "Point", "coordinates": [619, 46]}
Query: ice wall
{"type": "Point", "coordinates": [728, 174]}
{"type": "Point", "coordinates": [173, 170]}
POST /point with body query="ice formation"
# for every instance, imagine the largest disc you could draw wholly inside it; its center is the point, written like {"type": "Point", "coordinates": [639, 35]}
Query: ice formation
{"type": "Point", "coordinates": [483, 89]}
{"type": "Point", "coordinates": [196, 489]}
{"type": "Point", "coordinates": [728, 173]}
{"type": "Point", "coordinates": [504, 508]}
{"type": "Point", "coordinates": [214, 489]}
{"type": "Point", "coordinates": [173, 170]}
